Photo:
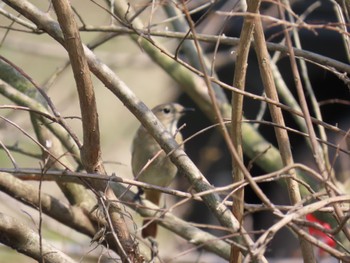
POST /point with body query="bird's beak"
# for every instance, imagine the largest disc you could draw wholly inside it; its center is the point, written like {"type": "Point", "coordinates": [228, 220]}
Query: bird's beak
{"type": "Point", "coordinates": [185, 110]}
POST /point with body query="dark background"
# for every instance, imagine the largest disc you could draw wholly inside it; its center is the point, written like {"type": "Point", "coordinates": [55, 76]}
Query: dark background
{"type": "Point", "coordinates": [209, 151]}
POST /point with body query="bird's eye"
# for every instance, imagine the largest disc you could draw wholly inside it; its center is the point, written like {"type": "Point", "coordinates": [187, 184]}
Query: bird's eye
{"type": "Point", "coordinates": [166, 110]}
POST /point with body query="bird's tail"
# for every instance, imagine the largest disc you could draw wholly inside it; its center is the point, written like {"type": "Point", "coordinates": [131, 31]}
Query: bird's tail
{"type": "Point", "coordinates": [150, 225]}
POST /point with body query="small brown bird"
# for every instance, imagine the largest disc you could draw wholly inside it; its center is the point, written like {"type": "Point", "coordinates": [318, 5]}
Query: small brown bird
{"type": "Point", "coordinates": [160, 171]}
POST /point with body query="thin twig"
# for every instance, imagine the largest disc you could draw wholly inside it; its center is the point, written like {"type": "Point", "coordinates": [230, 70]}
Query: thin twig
{"type": "Point", "coordinates": [8, 153]}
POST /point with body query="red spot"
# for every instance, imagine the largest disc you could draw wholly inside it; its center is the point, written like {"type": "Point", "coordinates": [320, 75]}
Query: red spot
{"type": "Point", "coordinates": [318, 233]}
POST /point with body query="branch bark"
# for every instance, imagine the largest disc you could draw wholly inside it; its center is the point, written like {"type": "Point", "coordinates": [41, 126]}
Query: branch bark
{"type": "Point", "coordinates": [281, 134]}
{"type": "Point", "coordinates": [71, 216]}
{"type": "Point", "coordinates": [22, 238]}
{"type": "Point", "coordinates": [91, 149]}
{"type": "Point", "coordinates": [237, 114]}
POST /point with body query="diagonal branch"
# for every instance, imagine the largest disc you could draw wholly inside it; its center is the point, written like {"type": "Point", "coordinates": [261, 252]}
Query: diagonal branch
{"type": "Point", "coordinates": [71, 216]}
{"type": "Point", "coordinates": [22, 238]}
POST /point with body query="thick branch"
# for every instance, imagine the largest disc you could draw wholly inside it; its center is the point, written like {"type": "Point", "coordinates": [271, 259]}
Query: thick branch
{"type": "Point", "coordinates": [237, 113]}
{"type": "Point", "coordinates": [91, 150]}
{"type": "Point", "coordinates": [22, 238]}
{"type": "Point", "coordinates": [73, 217]}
